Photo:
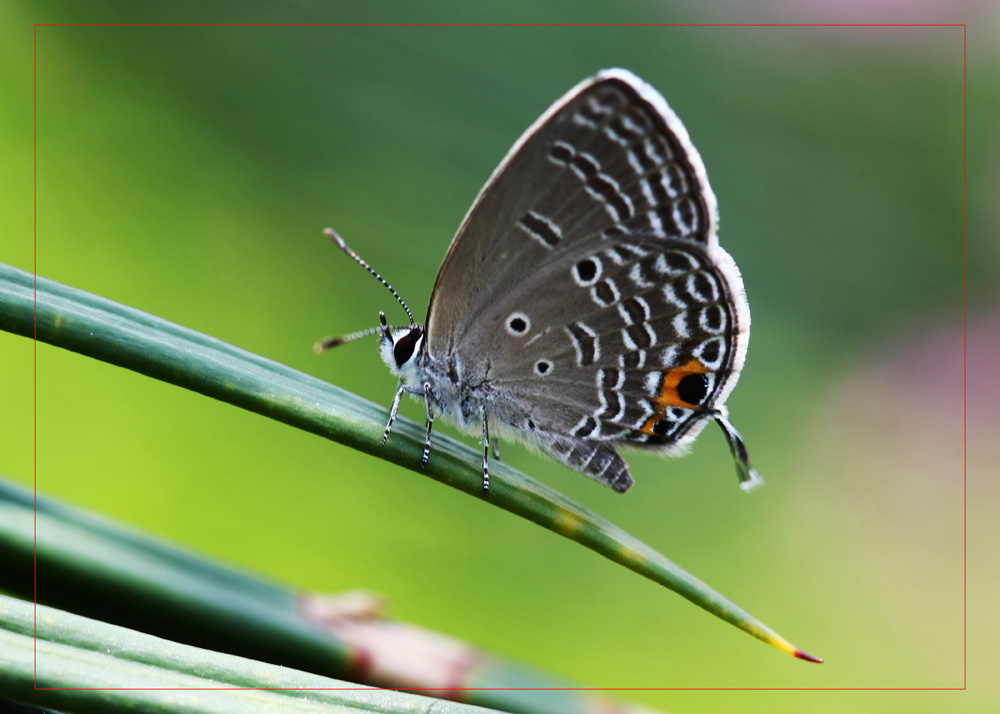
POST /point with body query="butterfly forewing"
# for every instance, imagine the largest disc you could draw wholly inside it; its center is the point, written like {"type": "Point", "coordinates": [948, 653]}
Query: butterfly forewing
{"type": "Point", "coordinates": [609, 158]}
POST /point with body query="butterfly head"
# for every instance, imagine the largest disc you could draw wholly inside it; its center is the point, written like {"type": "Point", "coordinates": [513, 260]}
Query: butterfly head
{"type": "Point", "coordinates": [402, 347]}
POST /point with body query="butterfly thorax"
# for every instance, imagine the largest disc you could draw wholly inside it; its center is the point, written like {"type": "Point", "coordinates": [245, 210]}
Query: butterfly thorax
{"type": "Point", "coordinates": [456, 397]}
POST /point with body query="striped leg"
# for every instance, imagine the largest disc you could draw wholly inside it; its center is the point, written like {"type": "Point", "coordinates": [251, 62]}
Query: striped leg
{"type": "Point", "coordinates": [420, 392]}
{"type": "Point", "coordinates": [394, 410]}
{"type": "Point", "coordinates": [486, 456]}
{"type": "Point", "coordinates": [430, 422]}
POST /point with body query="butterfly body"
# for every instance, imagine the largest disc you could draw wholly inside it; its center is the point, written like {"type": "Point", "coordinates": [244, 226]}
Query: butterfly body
{"type": "Point", "coordinates": [585, 302]}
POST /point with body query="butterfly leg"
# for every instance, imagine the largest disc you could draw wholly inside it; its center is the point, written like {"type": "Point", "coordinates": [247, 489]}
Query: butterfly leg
{"type": "Point", "coordinates": [394, 410]}
{"type": "Point", "coordinates": [486, 456]}
{"type": "Point", "coordinates": [496, 449]}
{"type": "Point", "coordinates": [430, 422]}
{"type": "Point", "coordinates": [424, 392]}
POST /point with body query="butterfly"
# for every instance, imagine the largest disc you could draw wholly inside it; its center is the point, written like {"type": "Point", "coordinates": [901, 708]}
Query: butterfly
{"type": "Point", "coordinates": [585, 303]}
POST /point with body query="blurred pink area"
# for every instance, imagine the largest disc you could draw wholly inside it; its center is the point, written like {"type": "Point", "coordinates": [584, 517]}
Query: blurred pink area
{"type": "Point", "coordinates": [906, 399]}
{"type": "Point", "coordinates": [899, 503]}
{"type": "Point", "coordinates": [984, 375]}
{"type": "Point", "coordinates": [858, 11]}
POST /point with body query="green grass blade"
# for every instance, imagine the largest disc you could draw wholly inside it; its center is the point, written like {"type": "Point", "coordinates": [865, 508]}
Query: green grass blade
{"type": "Point", "coordinates": [114, 333]}
{"type": "Point", "coordinates": [92, 566]}
{"type": "Point", "coordinates": [87, 666]}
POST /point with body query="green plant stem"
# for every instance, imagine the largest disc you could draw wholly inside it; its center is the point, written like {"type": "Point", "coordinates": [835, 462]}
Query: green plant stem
{"type": "Point", "coordinates": [85, 666]}
{"type": "Point", "coordinates": [92, 566]}
{"type": "Point", "coordinates": [99, 328]}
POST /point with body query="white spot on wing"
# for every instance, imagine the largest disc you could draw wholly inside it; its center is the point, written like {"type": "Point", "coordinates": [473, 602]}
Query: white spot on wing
{"type": "Point", "coordinates": [636, 276]}
{"type": "Point", "coordinates": [653, 382]}
{"type": "Point", "coordinates": [668, 358]}
{"type": "Point", "coordinates": [680, 324]}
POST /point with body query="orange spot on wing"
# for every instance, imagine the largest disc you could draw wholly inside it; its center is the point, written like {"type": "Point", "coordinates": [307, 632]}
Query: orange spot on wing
{"type": "Point", "coordinates": [668, 392]}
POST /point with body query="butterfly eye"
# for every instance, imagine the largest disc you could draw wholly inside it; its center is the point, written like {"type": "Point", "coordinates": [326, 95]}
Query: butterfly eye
{"type": "Point", "coordinates": [403, 348]}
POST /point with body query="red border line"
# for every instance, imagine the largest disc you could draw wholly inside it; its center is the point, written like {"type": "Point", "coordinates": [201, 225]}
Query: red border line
{"type": "Point", "coordinates": [965, 538]}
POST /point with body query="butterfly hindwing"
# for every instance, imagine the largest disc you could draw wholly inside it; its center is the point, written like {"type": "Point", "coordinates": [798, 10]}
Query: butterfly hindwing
{"type": "Point", "coordinates": [624, 343]}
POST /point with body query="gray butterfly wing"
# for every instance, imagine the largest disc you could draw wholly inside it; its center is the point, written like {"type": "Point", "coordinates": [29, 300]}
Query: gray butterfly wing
{"type": "Point", "coordinates": [586, 283]}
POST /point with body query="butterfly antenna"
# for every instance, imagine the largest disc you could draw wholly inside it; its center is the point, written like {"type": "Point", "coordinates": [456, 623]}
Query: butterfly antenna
{"type": "Point", "coordinates": [330, 342]}
{"type": "Point", "coordinates": [332, 234]}
{"type": "Point", "coordinates": [324, 345]}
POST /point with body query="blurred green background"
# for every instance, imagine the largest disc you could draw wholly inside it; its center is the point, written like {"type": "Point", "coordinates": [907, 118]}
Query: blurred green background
{"type": "Point", "coordinates": [189, 172]}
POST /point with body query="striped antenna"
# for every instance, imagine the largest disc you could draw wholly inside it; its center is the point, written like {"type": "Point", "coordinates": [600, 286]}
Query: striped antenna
{"type": "Point", "coordinates": [330, 342]}
{"type": "Point", "coordinates": [324, 345]}
{"type": "Point", "coordinates": [332, 234]}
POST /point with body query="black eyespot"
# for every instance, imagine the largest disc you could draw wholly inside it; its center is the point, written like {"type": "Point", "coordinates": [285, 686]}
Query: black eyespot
{"type": "Point", "coordinates": [586, 270]}
{"type": "Point", "coordinates": [518, 323]}
{"type": "Point", "coordinates": [543, 366]}
{"type": "Point", "coordinates": [662, 427]}
{"type": "Point", "coordinates": [693, 388]}
{"type": "Point", "coordinates": [531, 424]}
{"type": "Point", "coordinates": [402, 348]}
